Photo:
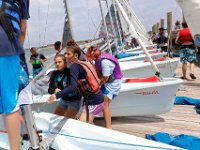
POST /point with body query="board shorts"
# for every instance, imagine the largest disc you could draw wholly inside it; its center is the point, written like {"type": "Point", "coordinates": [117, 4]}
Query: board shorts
{"type": "Point", "coordinates": [95, 110]}
{"type": "Point", "coordinates": [76, 104]}
{"type": "Point", "coordinates": [36, 71]}
{"type": "Point", "coordinates": [9, 83]}
{"type": "Point", "coordinates": [187, 54]}
{"type": "Point", "coordinates": [111, 90]}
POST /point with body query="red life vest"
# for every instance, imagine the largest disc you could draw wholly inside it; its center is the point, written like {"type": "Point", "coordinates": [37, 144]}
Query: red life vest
{"type": "Point", "coordinates": [91, 83]}
{"type": "Point", "coordinates": [185, 36]}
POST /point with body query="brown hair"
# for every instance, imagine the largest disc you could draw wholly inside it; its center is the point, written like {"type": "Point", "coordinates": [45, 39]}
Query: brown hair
{"type": "Point", "coordinates": [72, 43]}
{"type": "Point", "coordinates": [184, 24]}
{"type": "Point", "coordinates": [75, 50]}
{"type": "Point", "coordinates": [62, 56]}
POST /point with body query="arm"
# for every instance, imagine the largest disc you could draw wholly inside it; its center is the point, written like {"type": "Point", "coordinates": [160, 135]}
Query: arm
{"type": "Point", "coordinates": [23, 30]}
{"type": "Point", "coordinates": [31, 60]}
{"type": "Point", "coordinates": [71, 88]}
{"type": "Point", "coordinates": [177, 38]}
{"type": "Point", "coordinates": [43, 59]}
{"type": "Point", "coordinates": [52, 87]}
{"type": "Point", "coordinates": [103, 80]}
{"type": "Point", "coordinates": [107, 70]}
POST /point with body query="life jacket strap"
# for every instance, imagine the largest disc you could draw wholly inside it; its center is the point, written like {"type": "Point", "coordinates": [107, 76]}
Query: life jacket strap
{"type": "Point", "coordinates": [5, 18]}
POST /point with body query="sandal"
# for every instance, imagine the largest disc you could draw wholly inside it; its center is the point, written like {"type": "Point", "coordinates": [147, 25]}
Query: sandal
{"type": "Point", "coordinates": [183, 78]}
{"type": "Point", "coordinates": [192, 76]}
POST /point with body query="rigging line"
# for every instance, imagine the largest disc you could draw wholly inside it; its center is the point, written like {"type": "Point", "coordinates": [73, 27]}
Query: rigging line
{"type": "Point", "coordinates": [39, 39]}
{"type": "Point", "coordinates": [88, 13]}
{"type": "Point", "coordinates": [140, 11]}
{"type": "Point", "coordinates": [29, 45]}
{"type": "Point", "coordinates": [96, 31]}
{"type": "Point", "coordinates": [46, 22]}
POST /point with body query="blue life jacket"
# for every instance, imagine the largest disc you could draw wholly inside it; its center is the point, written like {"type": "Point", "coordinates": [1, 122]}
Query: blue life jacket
{"type": "Point", "coordinates": [10, 17]}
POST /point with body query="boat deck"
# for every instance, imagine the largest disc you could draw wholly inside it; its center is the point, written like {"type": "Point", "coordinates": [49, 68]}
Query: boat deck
{"type": "Point", "coordinates": [181, 119]}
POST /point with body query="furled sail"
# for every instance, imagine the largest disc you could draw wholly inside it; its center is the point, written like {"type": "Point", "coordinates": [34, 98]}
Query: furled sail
{"type": "Point", "coordinates": [67, 31]}
{"type": "Point", "coordinates": [191, 11]}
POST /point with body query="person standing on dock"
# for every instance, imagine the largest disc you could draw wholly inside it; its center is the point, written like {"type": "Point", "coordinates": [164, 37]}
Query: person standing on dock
{"type": "Point", "coordinates": [13, 19]}
{"type": "Point", "coordinates": [110, 75]}
{"type": "Point", "coordinates": [162, 39]}
{"type": "Point", "coordinates": [188, 50]}
{"type": "Point", "coordinates": [36, 60]}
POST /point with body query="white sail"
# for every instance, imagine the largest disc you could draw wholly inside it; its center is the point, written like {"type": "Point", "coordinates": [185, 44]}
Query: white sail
{"type": "Point", "coordinates": [191, 11]}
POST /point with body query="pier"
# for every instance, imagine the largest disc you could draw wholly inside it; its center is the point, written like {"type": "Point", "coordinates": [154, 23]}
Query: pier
{"type": "Point", "coordinates": [181, 119]}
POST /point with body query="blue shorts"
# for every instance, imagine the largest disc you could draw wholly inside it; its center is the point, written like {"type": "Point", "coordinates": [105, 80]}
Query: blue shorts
{"type": "Point", "coordinates": [9, 83]}
{"type": "Point", "coordinates": [36, 71]}
{"type": "Point", "coordinates": [187, 55]}
{"type": "Point", "coordinates": [70, 104]}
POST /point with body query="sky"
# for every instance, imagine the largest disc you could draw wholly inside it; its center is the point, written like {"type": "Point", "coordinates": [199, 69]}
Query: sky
{"type": "Point", "coordinates": [45, 25]}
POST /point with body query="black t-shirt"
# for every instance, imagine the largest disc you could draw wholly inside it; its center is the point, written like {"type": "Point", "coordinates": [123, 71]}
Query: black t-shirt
{"type": "Point", "coordinates": [61, 80]}
{"type": "Point", "coordinates": [36, 60]}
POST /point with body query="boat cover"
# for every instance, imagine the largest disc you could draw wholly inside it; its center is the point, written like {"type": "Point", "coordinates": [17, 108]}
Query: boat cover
{"type": "Point", "coordinates": [184, 141]}
{"type": "Point", "coordinates": [183, 100]}
{"type": "Point", "coordinates": [124, 55]}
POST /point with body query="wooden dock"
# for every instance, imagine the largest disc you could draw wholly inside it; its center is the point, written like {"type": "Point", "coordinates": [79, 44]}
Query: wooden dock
{"type": "Point", "coordinates": [181, 119]}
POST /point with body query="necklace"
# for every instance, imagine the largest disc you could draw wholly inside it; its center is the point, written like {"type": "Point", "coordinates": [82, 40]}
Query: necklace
{"type": "Point", "coordinates": [60, 78]}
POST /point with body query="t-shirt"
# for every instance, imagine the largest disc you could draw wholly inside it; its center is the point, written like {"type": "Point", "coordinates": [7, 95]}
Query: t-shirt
{"type": "Point", "coordinates": [36, 60]}
{"type": "Point", "coordinates": [13, 46]}
{"type": "Point", "coordinates": [107, 70]}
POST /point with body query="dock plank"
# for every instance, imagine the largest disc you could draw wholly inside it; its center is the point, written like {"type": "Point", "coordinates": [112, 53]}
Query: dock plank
{"type": "Point", "coordinates": [181, 119]}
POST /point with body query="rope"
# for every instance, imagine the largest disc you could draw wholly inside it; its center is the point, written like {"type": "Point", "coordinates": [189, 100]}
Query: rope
{"type": "Point", "coordinates": [29, 46]}
{"type": "Point", "coordinates": [39, 39]}
{"type": "Point", "coordinates": [46, 22]}
{"type": "Point", "coordinates": [88, 13]}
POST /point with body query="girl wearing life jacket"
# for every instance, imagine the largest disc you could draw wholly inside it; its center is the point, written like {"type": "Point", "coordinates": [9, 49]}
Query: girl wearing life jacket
{"type": "Point", "coordinates": [110, 78]}
{"type": "Point", "coordinates": [188, 50]}
{"type": "Point", "coordinates": [69, 104]}
{"type": "Point", "coordinates": [13, 19]}
{"type": "Point", "coordinates": [83, 77]}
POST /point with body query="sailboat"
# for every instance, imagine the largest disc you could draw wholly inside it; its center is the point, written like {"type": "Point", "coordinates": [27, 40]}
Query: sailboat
{"type": "Point", "coordinates": [150, 95]}
{"type": "Point", "coordinates": [191, 10]}
{"type": "Point", "coordinates": [129, 96]}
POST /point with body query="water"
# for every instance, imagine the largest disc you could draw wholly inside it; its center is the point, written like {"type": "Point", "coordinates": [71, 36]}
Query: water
{"type": "Point", "coordinates": [49, 53]}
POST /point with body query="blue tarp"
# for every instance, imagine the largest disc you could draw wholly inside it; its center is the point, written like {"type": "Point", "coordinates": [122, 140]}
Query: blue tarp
{"type": "Point", "coordinates": [184, 141]}
{"type": "Point", "coordinates": [124, 55]}
{"type": "Point", "coordinates": [183, 100]}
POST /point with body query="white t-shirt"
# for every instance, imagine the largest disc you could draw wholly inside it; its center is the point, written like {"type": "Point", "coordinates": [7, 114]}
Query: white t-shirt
{"type": "Point", "coordinates": [107, 70]}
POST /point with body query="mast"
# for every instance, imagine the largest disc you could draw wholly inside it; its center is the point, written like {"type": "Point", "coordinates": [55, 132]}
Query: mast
{"type": "Point", "coordinates": [137, 36]}
{"type": "Point", "coordinates": [117, 22]}
{"type": "Point", "coordinates": [105, 27]}
{"type": "Point", "coordinates": [67, 31]}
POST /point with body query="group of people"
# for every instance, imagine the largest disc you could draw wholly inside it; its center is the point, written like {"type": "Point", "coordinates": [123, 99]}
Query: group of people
{"type": "Point", "coordinates": [97, 83]}
{"type": "Point", "coordinates": [188, 48]}
{"type": "Point", "coordinates": [97, 80]}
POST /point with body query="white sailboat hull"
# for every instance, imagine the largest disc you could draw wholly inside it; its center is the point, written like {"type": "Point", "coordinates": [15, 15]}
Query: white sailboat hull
{"type": "Point", "coordinates": [143, 69]}
{"type": "Point", "coordinates": [134, 99]}
{"type": "Point", "coordinates": [76, 135]}
{"type": "Point", "coordinates": [145, 98]}
{"type": "Point", "coordinates": [141, 57]}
